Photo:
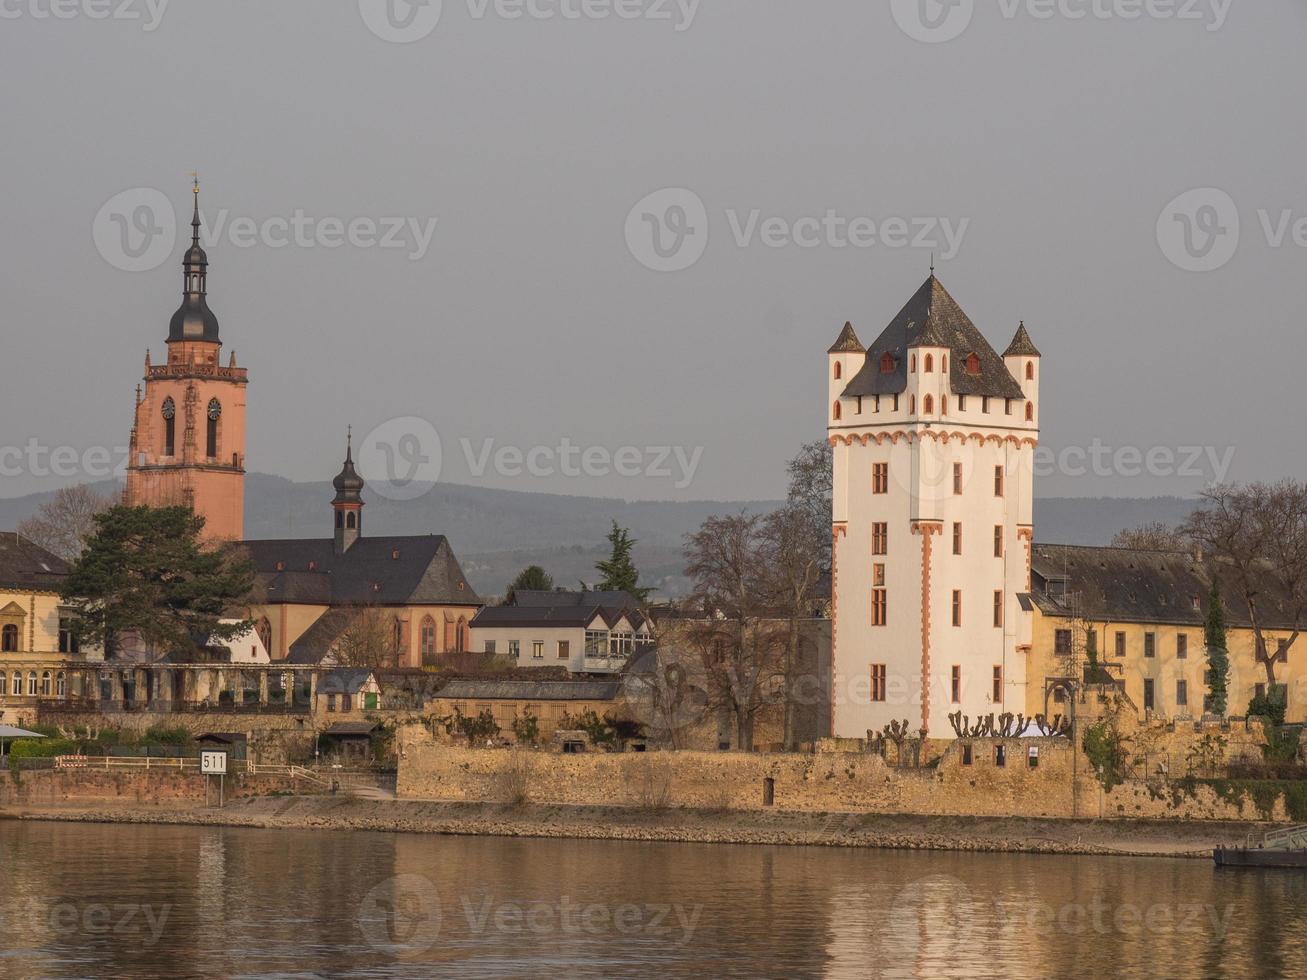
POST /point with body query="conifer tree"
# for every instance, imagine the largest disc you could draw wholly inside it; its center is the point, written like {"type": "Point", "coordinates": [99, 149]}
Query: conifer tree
{"type": "Point", "coordinates": [618, 570]}
{"type": "Point", "coordinates": [1218, 654]}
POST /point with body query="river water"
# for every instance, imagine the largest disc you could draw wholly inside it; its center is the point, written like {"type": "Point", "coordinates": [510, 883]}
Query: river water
{"type": "Point", "coordinates": [80, 900]}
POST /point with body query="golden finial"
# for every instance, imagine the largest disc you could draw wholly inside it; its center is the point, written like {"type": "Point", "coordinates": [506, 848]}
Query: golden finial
{"type": "Point", "coordinates": [195, 181]}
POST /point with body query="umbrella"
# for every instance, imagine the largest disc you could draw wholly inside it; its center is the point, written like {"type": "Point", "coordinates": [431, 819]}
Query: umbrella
{"type": "Point", "coordinates": [8, 731]}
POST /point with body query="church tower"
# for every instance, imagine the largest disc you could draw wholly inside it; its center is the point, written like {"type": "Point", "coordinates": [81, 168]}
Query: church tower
{"type": "Point", "coordinates": [188, 439]}
{"type": "Point", "coordinates": [933, 437]}
{"type": "Point", "coordinates": [348, 502]}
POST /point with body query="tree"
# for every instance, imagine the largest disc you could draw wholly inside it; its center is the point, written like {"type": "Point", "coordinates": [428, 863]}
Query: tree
{"type": "Point", "coordinates": [811, 481]}
{"type": "Point", "coordinates": [145, 571]}
{"type": "Point", "coordinates": [618, 570]}
{"type": "Point", "coordinates": [532, 579]}
{"type": "Point", "coordinates": [741, 653]}
{"type": "Point", "coordinates": [1218, 653]}
{"type": "Point", "coordinates": [63, 524]}
{"type": "Point", "coordinates": [791, 549]}
{"type": "Point", "coordinates": [1152, 537]}
{"type": "Point", "coordinates": [371, 639]}
{"type": "Point", "coordinates": [1257, 534]}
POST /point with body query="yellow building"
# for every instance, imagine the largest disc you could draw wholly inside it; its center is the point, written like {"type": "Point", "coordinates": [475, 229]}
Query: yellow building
{"type": "Point", "coordinates": [1141, 615]}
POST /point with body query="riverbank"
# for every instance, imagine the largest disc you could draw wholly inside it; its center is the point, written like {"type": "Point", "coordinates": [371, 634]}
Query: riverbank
{"type": "Point", "coordinates": [1126, 838]}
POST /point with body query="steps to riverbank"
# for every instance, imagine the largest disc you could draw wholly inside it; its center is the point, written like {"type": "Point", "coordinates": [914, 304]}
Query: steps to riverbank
{"type": "Point", "coordinates": [351, 812]}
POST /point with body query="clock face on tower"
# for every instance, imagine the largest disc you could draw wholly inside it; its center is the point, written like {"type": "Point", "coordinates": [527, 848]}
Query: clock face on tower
{"type": "Point", "coordinates": [215, 409]}
{"type": "Point", "coordinates": [169, 409]}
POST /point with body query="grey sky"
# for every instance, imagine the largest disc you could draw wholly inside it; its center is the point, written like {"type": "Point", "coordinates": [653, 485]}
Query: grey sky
{"type": "Point", "coordinates": [528, 320]}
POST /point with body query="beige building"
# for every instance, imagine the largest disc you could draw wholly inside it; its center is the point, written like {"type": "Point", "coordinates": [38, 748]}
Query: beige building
{"type": "Point", "coordinates": [1142, 613]}
{"type": "Point", "coordinates": [586, 632]}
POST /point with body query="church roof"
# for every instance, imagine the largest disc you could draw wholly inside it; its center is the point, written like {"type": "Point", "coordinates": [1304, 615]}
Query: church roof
{"type": "Point", "coordinates": [1022, 345]}
{"type": "Point", "coordinates": [934, 315]}
{"type": "Point", "coordinates": [416, 570]}
{"type": "Point", "coordinates": [25, 565]}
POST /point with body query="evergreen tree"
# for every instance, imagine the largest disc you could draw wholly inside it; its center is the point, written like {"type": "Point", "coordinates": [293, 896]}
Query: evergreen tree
{"type": "Point", "coordinates": [619, 571]}
{"type": "Point", "coordinates": [146, 571]}
{"type": "Point", "coordinates": [1218, 654]}
{"type": "Point", "coordinates": [533, 578]}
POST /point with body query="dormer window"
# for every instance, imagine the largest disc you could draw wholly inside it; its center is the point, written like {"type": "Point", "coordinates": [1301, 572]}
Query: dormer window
{"type": "Point", "coordinates": [973, 364]}
{"type": "Point", "coordinates": [394, 554]}
{"type": "Point", "coordinates": [887, 363]}
{"type": "Point", "coordinates": [313, 566]}
{"type": "Point", "coordinates": [281, 566]}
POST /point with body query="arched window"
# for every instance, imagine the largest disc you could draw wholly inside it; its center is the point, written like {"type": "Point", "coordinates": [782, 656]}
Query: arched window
{"type": "Point", "coordinates": [973, 363]}
{"type": "Point", "coordinates": [887, 363]}
{"type": "Point", "coordinates": [1030, 411]}
{"type": "Point", "coordinates": [1030, 370]}
{"type": "Point", "coordinates": [912, 405]}
{"type": "Point", "coordinates": [400, 646]}
{"type": "Point", "coordinates": [351, 520]}
{"type": "Point", "coordinates": [913, 364]}
{"type": "Point", "coordinates": [930, 363]}
{"type": "Point", "coordinates": [943, 404]}
{"type": "Point", "coordinates": [9, 639]}
{"type": "Point", "coordinates": [929, 405]}
{"type": "Point", "coordinates": [60, 685]}
{"type": "Point", "coordinates": [214, 413]}
{"type": "Point", "coordinates": [460, 638]}
{"type": "Point", "coordinates": [427, 638]}
{"type": "Point", "coordinates": [45, 684]}
{"type": "Point", "coordinates": [265, 634]}
{"type": "Point", "coordinates": [340, 518]}
{"type": "Point", "coordinates": [943, 364]}
{"type": "Point", "coordinates": [17, 687]}
{"type": "Point", "coordinates": [169, 427]}
{"type": "Point", "coordinates": [835, 412]}
{"type": "Point", "coordinates": [839, 370]}
{"type": "Point", "coordinates": [31, 683]}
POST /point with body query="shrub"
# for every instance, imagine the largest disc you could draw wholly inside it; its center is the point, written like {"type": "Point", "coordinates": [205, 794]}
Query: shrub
{"type": "Point", "coordinates": [1105, 748]}
{"type": "Point", "coordinates": [527, 729]}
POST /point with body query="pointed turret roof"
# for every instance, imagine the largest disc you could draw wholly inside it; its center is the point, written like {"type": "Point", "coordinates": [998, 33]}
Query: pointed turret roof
{"type": "Point", "coordinates": [348, 484]}
{"type": "Point", "coordinates": [1022, 345]}
{"type": "Point", "coordinates": [934, 318]}
{"type": "Point", "coordinates": [847, 342]}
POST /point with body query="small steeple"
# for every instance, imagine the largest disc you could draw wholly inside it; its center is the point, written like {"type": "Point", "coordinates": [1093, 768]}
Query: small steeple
{"type": "Point", "coordinates": [348, 502]}
{"type": "Point", "coordinates": [1022, 345]}
{"type": "Point", "coordinates": [194, 320]}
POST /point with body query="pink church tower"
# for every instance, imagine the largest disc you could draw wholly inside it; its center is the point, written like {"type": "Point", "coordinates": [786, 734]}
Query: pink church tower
{"type": "Point", "coordinates": [188, 439]}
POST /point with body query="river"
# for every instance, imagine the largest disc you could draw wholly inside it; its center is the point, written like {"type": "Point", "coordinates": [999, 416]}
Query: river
{"type": "Point", "coordinates": [84, 900]}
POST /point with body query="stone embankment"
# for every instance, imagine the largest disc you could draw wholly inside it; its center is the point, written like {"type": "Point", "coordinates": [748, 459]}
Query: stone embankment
{"type": "Point", "coordinates": [813, 829]}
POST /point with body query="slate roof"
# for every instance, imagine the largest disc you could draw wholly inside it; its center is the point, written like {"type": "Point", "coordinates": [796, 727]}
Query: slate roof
{"type": "Point", "coordinates": [474, 690]}
{"type": "Point", "coordinates": [1127, 585]}
{"type": "Point", "coordinates": [847, 342]}
{"type": "Point", "coordinates": [352, 728]}
{"type": "Point", "coordinates": [1022, 345]}
{"type": "Point", "coordinates": [316, 642]}
{"type": "Point", "coordinates": [567, 597]}
{"type": "Point", "coordinates": [344, 680]}
{"type": "Point", "coordinates": [425, 572]}
{"type": "Point", "coordinates": [934, 316]}
{"type": "Point", "coordinates": [25, 565]}
{"type": "Point", "coordinates": [556, 617]}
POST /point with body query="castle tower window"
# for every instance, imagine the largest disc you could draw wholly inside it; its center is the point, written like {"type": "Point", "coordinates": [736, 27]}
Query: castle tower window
{"type": "Point", "coordinates": [930, 363]}
{"type": "Point", "coordinates": [912, 404]}
{"type": "Point", "coordinates": [839, 370]}
{"type": "Point", "coordinates": [973, 364]}
{"type": "Point", "coordinates": [1030, 411]}
{"type": "Point", "coordinates": [836, 412]}
{"type": "Point", "coordinates": [929, 405]}
{"type": "Point", "coordinates": [943, 404]}
{"type": "Point", "coordinates": [943, 364]}
{"type": "Point", "coordinates": [887, 363]}
{"type": "Point", "coordinates": [913, 367]}
{"type": "Point", "coordinates": [1030, 370]}
{"type": "Point", "coordinates": [169, 427]}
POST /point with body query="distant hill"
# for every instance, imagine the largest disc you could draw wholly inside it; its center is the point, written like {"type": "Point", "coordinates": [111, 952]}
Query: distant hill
{"type": "Point", "coordinates": [496, 533]}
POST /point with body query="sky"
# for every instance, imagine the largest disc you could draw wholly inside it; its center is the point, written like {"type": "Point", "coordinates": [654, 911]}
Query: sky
{"type": "Point", "coordinates": [602, 247]}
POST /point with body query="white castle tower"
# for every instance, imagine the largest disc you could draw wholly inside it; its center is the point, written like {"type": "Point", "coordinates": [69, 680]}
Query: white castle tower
{"type": "Point", "coordinates": [934, 437]}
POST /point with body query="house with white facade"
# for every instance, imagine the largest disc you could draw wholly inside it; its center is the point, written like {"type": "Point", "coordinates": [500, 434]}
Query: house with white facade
{"type": "Point", "coordinates": [586, 632]}
{"type": "Point", "coordinates": [933, 435]}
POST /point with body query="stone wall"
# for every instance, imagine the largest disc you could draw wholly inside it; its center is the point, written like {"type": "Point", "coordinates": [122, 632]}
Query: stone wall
{"type": "Point", "coordinates": [37, 787]}
{"type": "Point", "coordinates": [836, 782]}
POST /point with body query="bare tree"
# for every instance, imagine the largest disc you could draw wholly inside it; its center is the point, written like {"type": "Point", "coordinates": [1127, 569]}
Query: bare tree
{"type": "Point", "coordinates": [369, 640]}
{"type": "Point", "coordinates": [738, 648]}
{"type": "Point", "coordinates": [1258, 536]}
{"type": "Point", "coordinates": [791, 551]}
{"type": "Point", "coordinates": [64, 523]}
{"type": "Point", "coordinates": [1152, 537]}
{"type": "Point", "coordinates": [811, 482]}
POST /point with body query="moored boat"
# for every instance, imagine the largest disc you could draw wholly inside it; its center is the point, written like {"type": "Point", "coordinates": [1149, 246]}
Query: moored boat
{"type": "Point", "coordinates": [1285, 848]}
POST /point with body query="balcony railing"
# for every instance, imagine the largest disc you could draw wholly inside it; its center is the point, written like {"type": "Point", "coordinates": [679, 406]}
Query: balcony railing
{"type": "Point", "coordinates": [189, 370]}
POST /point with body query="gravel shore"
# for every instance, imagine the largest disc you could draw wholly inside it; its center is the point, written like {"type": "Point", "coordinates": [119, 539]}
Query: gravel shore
{"type": "Point", "coordinates": [1014, 835]}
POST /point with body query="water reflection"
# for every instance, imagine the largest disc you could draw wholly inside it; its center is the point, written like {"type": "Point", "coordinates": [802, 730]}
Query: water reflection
{"type": "Point", "coordinates": [83, 900]}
